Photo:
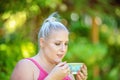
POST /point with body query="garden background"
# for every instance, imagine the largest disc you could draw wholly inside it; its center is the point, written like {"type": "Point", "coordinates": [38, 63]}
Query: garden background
{"type": "Point", "coordinates": [94, 33]}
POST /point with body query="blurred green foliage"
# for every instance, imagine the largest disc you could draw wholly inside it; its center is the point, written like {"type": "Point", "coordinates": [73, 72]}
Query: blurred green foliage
{"type": "Point", "coordinates": [20, 21]}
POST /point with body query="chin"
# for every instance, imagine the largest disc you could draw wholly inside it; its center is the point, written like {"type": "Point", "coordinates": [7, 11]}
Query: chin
{"type": "Point", "coordinates": [58, 61]}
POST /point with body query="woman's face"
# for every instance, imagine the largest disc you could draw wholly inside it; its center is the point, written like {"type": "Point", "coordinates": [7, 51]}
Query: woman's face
{"type": "Point", "coordinates": [55, 47]}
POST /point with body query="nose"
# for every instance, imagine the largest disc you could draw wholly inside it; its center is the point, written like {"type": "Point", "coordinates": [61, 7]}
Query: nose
{"type": "Point", "coordinates": [63, 48]}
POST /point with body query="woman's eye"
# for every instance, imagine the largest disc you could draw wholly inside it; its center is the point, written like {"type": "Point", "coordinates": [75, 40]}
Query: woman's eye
{"type": "Point", "coordinates": [66, 44]}
{"type": "Point", "coordinates": [57, 44]}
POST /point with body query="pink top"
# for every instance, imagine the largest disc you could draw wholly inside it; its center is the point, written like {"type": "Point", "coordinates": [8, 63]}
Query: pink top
{"type": "Point", "coordinates": [43, 73]}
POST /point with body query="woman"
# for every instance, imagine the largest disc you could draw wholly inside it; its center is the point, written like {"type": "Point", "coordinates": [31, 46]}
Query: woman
{"type": "Point", "coordinates": [47, 64]}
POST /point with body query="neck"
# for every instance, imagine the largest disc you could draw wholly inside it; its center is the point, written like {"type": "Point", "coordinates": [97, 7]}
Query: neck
{"type": "Point", "coordinates": [44, 62]}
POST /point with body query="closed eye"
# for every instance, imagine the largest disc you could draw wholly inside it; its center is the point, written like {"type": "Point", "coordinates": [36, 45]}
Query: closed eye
{"type": "Point", "coordinates": [66, 44]}
{"type": "Point", "coordinates": [57, 44]}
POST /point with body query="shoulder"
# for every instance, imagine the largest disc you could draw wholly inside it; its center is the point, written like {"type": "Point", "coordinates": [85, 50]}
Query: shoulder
{"type": "Point", "coordinates": [23, 64]}
{"type": "Point", "coordinates": [22, 71]}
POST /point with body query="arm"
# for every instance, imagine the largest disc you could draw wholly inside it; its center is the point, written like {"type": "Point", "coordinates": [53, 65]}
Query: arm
{"type": "Point", "coordinates": [22, 71]}
{"type": "Point", "coordinates": [59, 72]}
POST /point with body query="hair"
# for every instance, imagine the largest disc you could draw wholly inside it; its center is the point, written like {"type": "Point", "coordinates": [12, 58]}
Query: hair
{"type": "Point", "coordinates": [49, 25]}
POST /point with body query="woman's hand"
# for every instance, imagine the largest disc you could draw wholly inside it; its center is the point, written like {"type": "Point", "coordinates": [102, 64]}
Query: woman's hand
{"type": "Point", "coordinates": [82, 73]}
{"type": "Point", "coordinates": [59, 72]}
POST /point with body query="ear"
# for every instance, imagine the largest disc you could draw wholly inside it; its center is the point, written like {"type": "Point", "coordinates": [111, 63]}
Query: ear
{"type": "Point", "coordinates": [41, 42]}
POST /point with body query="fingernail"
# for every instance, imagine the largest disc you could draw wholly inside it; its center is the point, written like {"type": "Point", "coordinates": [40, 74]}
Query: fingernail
{"type": "Point", "coordinates": [65, 61]}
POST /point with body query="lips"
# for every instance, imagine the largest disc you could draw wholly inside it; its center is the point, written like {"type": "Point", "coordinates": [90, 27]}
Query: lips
{"type": "Point", "coordinates": [60, 55]}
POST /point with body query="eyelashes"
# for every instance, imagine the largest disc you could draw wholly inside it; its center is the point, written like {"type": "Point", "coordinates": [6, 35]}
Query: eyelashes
{"type": "Point", "coordinates": [58, 44]}
{"type": "Point", "coordinates": [66, 44]}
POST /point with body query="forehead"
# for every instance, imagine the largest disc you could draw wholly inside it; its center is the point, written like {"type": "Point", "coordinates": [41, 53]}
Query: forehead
{"type": "Point", "coordinates": [59, 35]}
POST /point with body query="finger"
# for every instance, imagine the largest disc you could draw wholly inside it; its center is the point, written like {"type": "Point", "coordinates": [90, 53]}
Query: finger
{"type": "Point", "coordinates": [84, 66]}
{"type": "Point", "coordinates": [78, 77]}
{"type": "Point", "coordinates": [65, 66]}
{"type": "Point", "coordinates": [84, 70]}
{"type": "Point", "coordinates": [67, 71]}
{"type": "Point", "coordinates": [61, 64]}
{"type": "Point", "coordinates": [81, 75]}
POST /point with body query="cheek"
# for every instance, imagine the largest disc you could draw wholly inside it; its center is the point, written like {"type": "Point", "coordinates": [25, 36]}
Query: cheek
{"type": "Point", "coordinates": [52, 49]}
{"type": "Point", "coordinates": [66, 48]}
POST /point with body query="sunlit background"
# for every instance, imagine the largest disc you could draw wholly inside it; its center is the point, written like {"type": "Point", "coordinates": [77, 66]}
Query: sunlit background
{"type": "Point", "coordinates": [94, 33]}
